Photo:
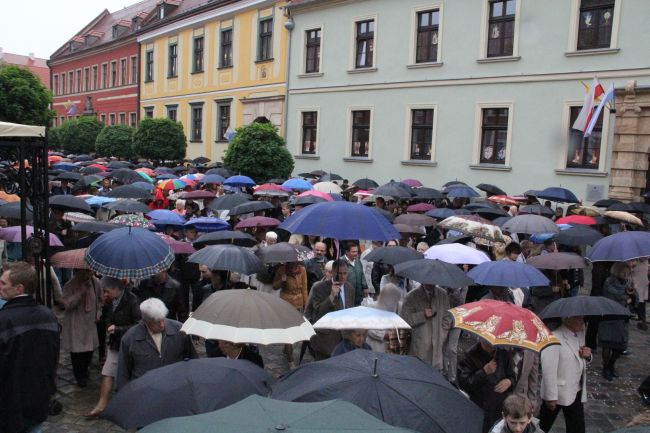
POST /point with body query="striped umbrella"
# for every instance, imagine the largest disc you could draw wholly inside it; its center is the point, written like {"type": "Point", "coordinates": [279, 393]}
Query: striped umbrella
{"type": "Point", "coordinates": [171, 184]}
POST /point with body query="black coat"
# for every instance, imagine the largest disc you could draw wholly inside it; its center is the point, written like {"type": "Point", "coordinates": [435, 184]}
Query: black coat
{"type": "Point", "coordinates": [126, 314]}
{"type": "Point", "coordinates": [29, 351]}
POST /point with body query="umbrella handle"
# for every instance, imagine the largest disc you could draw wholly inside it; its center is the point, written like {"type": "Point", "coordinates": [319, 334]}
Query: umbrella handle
{"type": "Point", "coordinates": [374, 369]}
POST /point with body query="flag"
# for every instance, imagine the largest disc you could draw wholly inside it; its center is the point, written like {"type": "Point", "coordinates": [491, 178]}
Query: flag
{"type": "Point", "coordinates": [230, 134]}
{"type": "Point", "coordinates": [72, 110]}
{"type": "Point", "coordinates": [608, 96]}
{"type": "Point", "coordinates": [594, 91]}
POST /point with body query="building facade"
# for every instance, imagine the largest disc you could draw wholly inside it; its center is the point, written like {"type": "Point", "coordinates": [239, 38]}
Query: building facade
{"type": "Point", "coordinates": [479, 91]}
{"type": "Point", "coordinates": [37, 65]}
{"type": "Point", "coordinates": [214, 69]}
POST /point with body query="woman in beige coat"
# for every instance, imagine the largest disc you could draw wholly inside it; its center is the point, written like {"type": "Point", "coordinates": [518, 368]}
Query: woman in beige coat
{"type": "Point", "coordinates": [82, 300]}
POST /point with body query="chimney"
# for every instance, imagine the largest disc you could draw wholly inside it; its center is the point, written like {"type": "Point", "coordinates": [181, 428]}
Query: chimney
{"type": "Point", "coordinates": [32, 57]}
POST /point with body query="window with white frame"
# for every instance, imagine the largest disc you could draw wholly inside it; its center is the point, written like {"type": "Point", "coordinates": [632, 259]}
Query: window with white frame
{"type": "Point", "coordinates": [134, 69]}
{"type": "Point", "coordinates": [312, 51]}
{"type": "Point", "coordinates": [113, 74]}
{"type": "Point", "coordinates": [95, 77]}
{"type": "Point", "coordinates": [197, 60]}
{"type": "Point", "coordinates": [501, 28]}
{"type": "Point", "coordinates": [86, 79]}
{"type": "Point", "coordinates": [78, 89]}
{"type": "Point", "coordinates": [360, 122]}
{"type": "Point", "coordinates": [364, 44]}
{"type": "Point", "coordinates": [148, 112]}
{"type": "Point", "coordinates": [123, 72]}
{"type": "Point", "coordinates": [595, 24]}
{"type": "Point", "coordinates": [148, 70]}
{"type": "Point", "coordinates": [70, 82]}
{"type": "Point", "coordinates": [309, 132]}
{"type": "Point", "coordinates": [494, 135]}
{"type": "Point", "coordinates": [122, 118]}
{"type": "Point", "coordinates": [225, 57]}
{"type": "Point", "coordinates": [421, 133]}
{"type": "Point", "coordinates": [584, 152]}
{"type": "Point", "coordinates": [172, 60]}
{"type": "Point", "coordinates": [133, 120]}
{"type": "Point", "coordinates": [104, 76]}
{"type": "Point", "coordinates": [102, 118]}
{"type": "Point", "coordinates": [223, 120]}
{"type": "Point", "coordinates": [112, 119]}
{"type": "Point", "coordinates": [55, 85]}
{"type": "Point", "coordinates": [426, 49]}
{"type": "Point", "coordinates": [196, 122]}
{"type": "Point", "coordinates": [172, 112]}
{"type": "Point", "coordinates": [265, 40]}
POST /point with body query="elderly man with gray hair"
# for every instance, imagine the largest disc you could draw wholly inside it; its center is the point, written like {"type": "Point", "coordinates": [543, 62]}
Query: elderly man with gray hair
{"type": "Point", "coordinates": [154, 342]}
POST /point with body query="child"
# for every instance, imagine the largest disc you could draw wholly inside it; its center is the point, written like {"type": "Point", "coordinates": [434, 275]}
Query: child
{"type": "Point", "coordinates": [517, 417]}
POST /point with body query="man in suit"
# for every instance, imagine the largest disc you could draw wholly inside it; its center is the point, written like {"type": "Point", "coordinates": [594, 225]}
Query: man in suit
{"type": "Point", "coordinates": [356, 277]}
{"type": "Point", "coordinates": [564, 377]}
{"type": "Point", "coordinates": [330, 295]}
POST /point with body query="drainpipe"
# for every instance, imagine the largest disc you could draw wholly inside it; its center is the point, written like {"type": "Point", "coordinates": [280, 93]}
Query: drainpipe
{"type": "Point", "coordinates": [289, 24]}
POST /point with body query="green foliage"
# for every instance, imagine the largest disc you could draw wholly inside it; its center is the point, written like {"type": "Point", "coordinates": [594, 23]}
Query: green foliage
{"type": "Point", "coordinates": [259, 152]}
{"type": "Point", "coordinates": [160, 139]}
{"type": "Point", "coordinates": [79, 135]}
{"type": "Point", "coordinates": [115, 140]}
{"type": "Point", "coordinates": [54, 138]}
{"type": "Point", "coordinates": [23, 97]}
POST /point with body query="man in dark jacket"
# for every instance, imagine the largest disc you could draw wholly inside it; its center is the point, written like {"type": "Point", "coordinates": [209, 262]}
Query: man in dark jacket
{"type": "Point", "coordinates": [168, 290]}
{"type": "Point", "coordinates": [29, 350]}
{"type": "Point", "coordinates": [154, 342]}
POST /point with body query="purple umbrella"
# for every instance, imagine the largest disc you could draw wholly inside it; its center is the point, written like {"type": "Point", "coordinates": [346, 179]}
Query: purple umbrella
{"type": "Point", "coordinates": [13, 234]}
{"type": "Point", "coordinates": [258, 221]}
{"type": "Point", "coordinates": [413, 183]}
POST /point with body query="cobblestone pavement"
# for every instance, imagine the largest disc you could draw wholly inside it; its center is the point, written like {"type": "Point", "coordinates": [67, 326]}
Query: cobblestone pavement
{"type": "Point", "coordinates": [610, 404]}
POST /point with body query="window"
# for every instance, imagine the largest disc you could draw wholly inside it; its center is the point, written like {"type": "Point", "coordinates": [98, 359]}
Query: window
{"type": "Point", "coordinates": [78, 89]}
{"type": "Point", "coordinates": [70, 82]}
{"type": "Point", "coordinates": [172, 66]}
{"type": "Point", "coordinates": [584, 152]}
{"type": "Point", "coordinates": [86, 79]}
{"type": "Point", "coordinates": [309, 132]}
{"type": "Point", "coordinates": [365, 44]}
{"type": "Point", "coordinates": [223, 120]}
{"type": "Point", "coordinates": [55, 85]}
{"type": "Point", "coordinates": [225, 60]}
{"type": "Point", "coordinates": [148, 74]}
{"type": "Point", "coordinates": [95, 77]}
{"type": "Point", "coordinates": [112, 119]}
{"type": "Point", "coordinates": [427, 36]}
{"type": "Point", "coordinates": [102, 118]}
{"type": "Point", "coordinates": [198, 55]}
{"type": "Point", "coordinates": [494, 135]}
{"type": "Point", "coordinates": [134, 70]}
{"type": "Point", "coordinates": [122, 118]}
{"type": "Point", "coordinates": [148, 112]}
{"type": "Point", "coordinates": [123, 72]}
{"type": "Point", "coordinates": [113, 74]}
{"type": "Point", "coordinates": [501, 28]}
{"type": "Point", "coordinates": [360, 133]}
{"type": "Point", "coordinates": [421, 133]}
{"type": "Point", "coordinates": [265, 42]}
{"type": "Point", "coordinates": [197, 122]}
{"type": "Point", "coordinates": [595, 25]}
{"type": "Point", "coordinates": [172, 112]}
{"type": "Point", "coordinates": [104, 76]}
{"type": "Point", "coordinates": [133, 120]}
{"type": "Point", "coordinates": [63, 83]}
{"type": "Point", "coordinates": [313, 51]}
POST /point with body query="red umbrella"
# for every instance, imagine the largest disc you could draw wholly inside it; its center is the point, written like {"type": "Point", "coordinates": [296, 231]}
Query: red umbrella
{"type": "Point", "coordinates": [576, 219]}
{"type": "Point", "coordinates": [258, 221]}
{"type": "Point", "coordinates": [147, 171]}
{"type": "Point", "coordinates": [271, 189]}
{"type": "Point", "coordinates": [98, 166]}
{"type": "Point", "coordinates": [197, 195]}
{"type": "Point", "coordinates": [420, 207]}
{"type": "Point", "coordinates": [178, 247]}
{"type": "Point", "coordinates": [414, 183]}
{"type": "Point", "coordinates": [505, 199]}
{"type": "Point", "coordinates": [71, 259]}
{"type": "Point", "coordinates": [315, 193]}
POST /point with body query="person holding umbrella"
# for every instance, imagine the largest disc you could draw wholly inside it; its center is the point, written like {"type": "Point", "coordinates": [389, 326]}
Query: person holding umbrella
{"type": "Point", "coordinates": [291, 280]}
{"type": "Point", "coordinates": [352, 339]}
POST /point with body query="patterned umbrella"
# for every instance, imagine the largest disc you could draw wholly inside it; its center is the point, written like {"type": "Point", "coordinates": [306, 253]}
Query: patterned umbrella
{"type": "Point", "coordinates": [71, 259]}
{"type": "Point", "coordinates": [132, 220]}
{"type": "Point", "coordinates": [503, 324]}
{"type": "Point", "coordinates": [77, 217]}
{"type": "Point", "coordinates": [474, 225]}
{"type": "Point", "coordinates": [149, 172]}
{"type": "Point", "coordinates": [171, 184]}
{"type": "Point", "coordinates": [420, 207]}
{"type": "Point", "coordinates": [145, 176]}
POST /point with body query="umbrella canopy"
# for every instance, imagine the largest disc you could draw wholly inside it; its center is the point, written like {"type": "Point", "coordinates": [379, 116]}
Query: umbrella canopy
{"type": "Point", "coordinates": [297, 184]}
{"type": "Point", "coordinates": [129, 191]}
{"type": "Point", "coordinates": [284, 252]}
{"type": "Point", "coordinates": [69, 202]}
{"type": "Point", "coordinates": [585, 211]}
{"type": "Point", "coordinates": [257, 221]}
{"type": "Point", "coordinates": [239, 180]}
{"type": "Point", "coordinates": [462, 191]}
{"type": "Point", "coordinates": [561, 195]}
{"type": "Point", "coordinates": [410, 230]}
{"type": "Point", "coordinates": [428, 271]}
{"type": "Point", "coordinates": [413, 183]}
{"type": "Point", "coordinates": [229, 201]}
{"type": "Point", "coordinates": [228, 258]}
{"type": "Point", "coordinates": [341, 220]}
{"type": "Point", "coordinates": [420, 207]}
{"type": "Point", "coordinates": [165, 215]}
{"type": "Point", "coordinates": [313, 193]}
{"type": "Point", "coordinates": [12, 211]}
{"type": "Point", "coordinates": [329, 177]}
{"type": "Point", "coordinates": [72, 177]}
{"type": "Point", "coordinates": [271, 190]}
{"type": "Point", "coordinates": [197, 195]}
{"type": "Point", "coordinates": [606, 202]}
{"type": "Point", "coordinates": [457, 254]}
{"type": "Point", "coordinates": [530, 224]}
{"type": "Point", "coordinates": [491, 189]}
{"type": "Point", "coordinates": [536, 209]}
{"type": "Point", "coordinates": [365, 183]}
{"type": "Point", "coordinates": [207, 224]}
{"type": "Point", "coordinates": [201, 160]}
{"type": "Point", "coordinates": [308, 199]}
{"type": "Point", "coordinates": [129, 252]}
{"type": "Point", "coordinates": [577, 236]}
{"type": "Point", "coordinates": [400, 390]}
{"type": "Point", "coordinates": [248, 316]}
{"type": "Point", "coordinates": [585, 306]}
{"type": "Point", "coordinates": [622, 207]}
{"type": "Point", "coordinates": [576, 219]}
{"type": "Point", "coordinates": [116, 165]}
{"type": "Point", "coordinates": [620, 247]}
{"type": "Point", "coordinates": [504, 199]}
{"type": "Point", "coordinates": [506, 273]}
{"type": "Point", "coordinates": [178, 247]}
{"type": "Point", "coordinates": [504, 324]}
{"type": "Point", "coordinates": [623, 216]}
{"type": "Point", "coordinates": [14, 234]}
{"type": "Point", "coordinates": [392, 255]}
{"type": "Point", "coordinates": [250, 207]}
{"type": "Point", "coordinates": [70, 259]}
{"type": "Point", "coordinates": [186, 388]}
{"type": "Point", "coordinates": [558, 261]}
{"type": "Point", "coordinates": [131, 220]}
{"type": "Point", "coordinates": [361, 318]}
{"type": "Point", "coordinates": [172, 184]}
{"type": "Point", "coordinates": [220, 171]}
{"type": "Point", "coordinates": [238, 238]}
{"type": "Point", "coordinates": [165, 176]}
{"type": "Point", "coordinates": [396, 190]}
{"type": "Point", "coordinates": [125, 175]}
{"type": "Point", "coordinates": [212, 178]}
{"type": "Point", "coordinates": [128, 205]}
{"type": "Point", "coordinates": [145, 186]}
{"type": "Point", "coordinates": [475, 226]}
{"type": "Point", "coordinates": [94, 227]}
{"type": "Point", "coordinates": [327, 187]}
{"type": "Point", "coordinates": [441, 213]}
{"type": "Point", "coordinates": [415, 219]}
{"type": "Point", "coordinates": [490, 213]}
{"type": "Point", "coordinates": [77, 217]}
{"type": "Point", "coordinates": [427, 194]}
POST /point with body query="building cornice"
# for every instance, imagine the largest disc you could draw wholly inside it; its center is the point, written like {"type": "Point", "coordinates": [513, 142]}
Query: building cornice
{"type": "Point", "coordinates": [92, 51]}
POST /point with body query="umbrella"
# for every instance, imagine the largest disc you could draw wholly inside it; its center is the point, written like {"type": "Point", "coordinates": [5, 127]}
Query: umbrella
{"type": "Point", "coordinates": [117, 165]}
{"type": "Point", "coordinates": [400, 390]}
{"type": "Point", "coordinates": [585, 306]}
{"type": "Point", "coordinates": [606, 202]}
{"type": "Point", "coordinates": [410, 230]}
{"type": "Point", "coordinates": [257, 221]}
{"type": "Point", "coordinates": [224, 172]}
{"type": "Point", "coordinates": [149, 172]}
{"type": "Point", "coordinates": [64, 166]}
{"type": "Point", "coordinates": [228, 201]}
{"type": "Point", "coordinates": [640, 207]}
{"type": "Point", "coordinates": [577, 236]}
{"type": "Point", "coordinates": [73, 177]}
{"type": "Point", "coordinates": [327, 187]}
{"type": "Point", "coordinates": [558, 261]}
{"type": "Point", "coordinates": [129, 252]}
{"type": "Point", "coordinates": [228, 258]}
{"type": "Point", "coordinates": [166, 176]}
{"type": "Point", "coordinates": [239, 180]}
{"type": "Point", "coordinates": [128, 205]}
{"type": "Point", "coordinates": [506, 273]}
{"type": "Point", "coordinates": [490, 213]}
{"type": "Point", "coordinates": [69, 202]}
{"type": "Point", "coordinates": [77, 217]}
{"type": "Point", "coordinates": [501, 220]}
{"type": "Point", "coordinates": [256, 414]}
{"type": "Point", "coordinates": [413, 183]}
{"type": "Point", "coordinates": [396, 190]}
{"type": "Point", "coordinates": [94, 227]}
{"type": "Point", "coordinates": [99, 200]}
{"type": "Point", "coordinates": [462, 191]}
{"type": "Point", "coordinates": [82, 158]}
{"type": "Point", "coordinates": [70, 259]}
{"type": "Point", "coordinates": [536, 209]}
{"type": "Point", "coordinates": [475, 226]}
{"type": "Point", "coordinates": [250, 207]}
{"type": "Point", "coordinates": [284, 252]}
{"type": "Point", "coordinates": [622, 207]}
{"type": "Point", "coordinates": [278, 181]}
{"type": "Point", "coordinates": [441, 213]}
{"type": "Point", "coordinates": [172, 184]}
{"type": "Point", "coordinates": [297, 184]}
{"type": "Point", "coordinates": [201, 160]}
{"type": "Point", "coordinates": [576, 219]}
{"type": "Point", "coordinates": [454, 183]}
{"type": "Point", "coordinates": [212, 178]}
{"type": "Point", "coordinates": [145, 176]}
{"type": "Point", "coordinates": [427, 271]}
{"type": "Point", "coordinates": [491, 189]}
{"type": "Point", "coordinates": [392, 255]}
{"type": "Point", "coordinates": [248, 316]}
{"type": "Point", "coordinates": [361, 318]}
{"type": "Point", "coordinates": [132, 220]}
{"type": "Point", "coordinates": [225, 237]}
{"type": "Point", "coordinates": [125, 175]}
{"type": "Point", "coordinates": [457, 254]}
{"type": "Point", "coordinates": [623, 216]}
{"type": "Point", "coordinates": [197, 195]}
{"type": "Point", "coordinates": [584, 210]}
{"type": "Point", "coordinates": [365, 183]}
{"type": "Point", "coordinates": [561, 195]}
{"type": "Point", "coordinates": [313, 193]}
{"type": "Point", "coordinates": [504, 324]}
{"type": "Point", "coordinates": [207, 224]}
{"type": "Point", "coordinates": [420, 207]}
{"type": "Point", "coordinates": [143, 185]}
{"type": "Point", "coordinates": [329, 177]}
{"type": "Point", "coordinates": [427, 194]}
{"type": "Point", "coordinates": [129, 191]}
{"type": "Point", "coordinates": [621, 247]}
{"type": "Point", "coordinates": [454, 239]}
{"type": "Point", "coordinates": [341, 220]}
{"type": "Point", "coordinates": [270, 189]}
{"type": "Point", "coordinates": [178, 247]}
{"type": "Point", "coordinates": [14, 234]}
{"type": "Point", "coordinates": [530, 224]}
{"type": "Point", "coordinates": [415, 219]}
{"type": "Point", "coordinates": [504, 199]}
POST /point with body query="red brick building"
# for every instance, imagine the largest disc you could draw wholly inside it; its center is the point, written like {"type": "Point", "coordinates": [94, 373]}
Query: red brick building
{"type": "Point", "coordinates": [37, 66]}
{"type": "Point", "coordinates": [97, 69]}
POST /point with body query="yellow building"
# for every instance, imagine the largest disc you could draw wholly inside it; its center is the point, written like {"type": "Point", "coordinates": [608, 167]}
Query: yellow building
{"type": "Point", "coordinates": [214, 68]}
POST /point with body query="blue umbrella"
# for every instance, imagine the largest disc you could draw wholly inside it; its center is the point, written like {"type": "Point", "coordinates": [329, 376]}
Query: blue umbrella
{"type": "Point", "coordinates": [506, 273]}
{"type": "Point", "coordinates": [99, 200]}
{"type": "Point", "coordinates": [206, 224]}
{"type": "Point", "coordinates": [212, 178]}
{"type": "Point", "coordinates": [166, 176]}
{"type": "Point", "coordinates": [67, 166]}
{"type": "Point", "coordinates": [298, 184]}
{"type": "Point", "coordinates": [129, 252]}
{"type": "Point", "coordinates": [144, 185]}
{"type": "Point", "coordinates": [621, 247]}
{"type": "Point", "coordinates": [441, 213]}
{"type": "Point", "coordinates": [239, 180]}
{"type": "Point", "coordinates": [561, 195]}
{"type": "Point", "coordinates": [341, 220]}
{"type": "Point", "coordinates": [163, 217]}
{"type": "Point", "coordinates": [462, 191]}
{"type": "Point", "coordinates": [162, 170]}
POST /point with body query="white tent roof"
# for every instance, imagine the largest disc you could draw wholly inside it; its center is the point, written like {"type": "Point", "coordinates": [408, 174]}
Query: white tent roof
{"type": "Point", "coordinates": [17, 130]}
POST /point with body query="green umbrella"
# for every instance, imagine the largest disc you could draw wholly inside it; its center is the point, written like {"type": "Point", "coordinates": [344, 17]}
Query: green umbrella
{"type": "Point", "coordinates": [257, 414]}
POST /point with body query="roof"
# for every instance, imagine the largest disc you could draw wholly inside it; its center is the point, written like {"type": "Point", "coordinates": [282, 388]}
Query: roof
{"type": "Point", "coordinates": [37, 65]}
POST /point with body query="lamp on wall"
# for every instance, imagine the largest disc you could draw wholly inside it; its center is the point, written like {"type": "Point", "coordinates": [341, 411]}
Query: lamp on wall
{"type": "Point", "coordinates": [289, 24]}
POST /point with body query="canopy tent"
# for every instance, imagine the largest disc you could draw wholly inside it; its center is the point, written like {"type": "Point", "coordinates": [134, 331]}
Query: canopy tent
{"type": "Point", "coordinates": [17, 130]}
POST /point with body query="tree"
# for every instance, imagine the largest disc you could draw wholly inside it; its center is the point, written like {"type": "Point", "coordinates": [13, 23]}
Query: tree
{"type": "Point", "coordinates": [259, 152]}
{"type": "Point", "coordinates": [23, 97]}
{"type": "Point", "coordinates": [115, 140]}
{"type": "Point", "coordinates": [54, 137]}
{"type": "Point", "coordinates": [160, 139]}
{"type": "Point", "coordinates": [79, 135]}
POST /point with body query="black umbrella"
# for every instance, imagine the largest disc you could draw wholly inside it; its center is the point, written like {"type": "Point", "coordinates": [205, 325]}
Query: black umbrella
{"type": "Point", "coordinates": [427, 194]}
{"type": "Point", "coordinates": [200, 160]}
{"type": "Point", "coordinates": [386, 214]}
{"type": "Point", "coordinates": [69, 176]}
{"type": "Point", "coordinates": [284, 252]}
{"type": "Point", "coordinates": [365, 183]}
{"type": "Point", "coordinates": [82, 158]}
{"type": "Point", "coordinates": [87, 181]}
{"type": "Point", "coordinates": [415, 219]}
{"type": "Point", "coordinates": [393, 255]}
{"type": "Point", "coordinates": [453, 182]}
{"type": "Point", "coordinates": [186, 388]}
{"type": "Point", "coordinates": [607, 202]}
{"type": "Point", "coordinates": [490, 213]}
{"type": "Point", "coordinates": [12, 211]}
{"type": "Point", "coordinates": [584, 306]}
{"type": "Point", "coordinates": [578, 235]}
{"type": "Point", "coordinates": [164, 170]}
{"type": "Point", "coordinates": [307, 200]}
{"type": "Point", "coordinates": [640, 207]}
{"type": "Point", "coordinates": [116, 165]}
{"type": "Point", "coordinates": [479, 205]}
{"type": "Point", "coordinates": [129, 191]}
{"type": "Point", "coordinates": [228, 258]}
{"type": "Point", "coordinates": [400, 390]}
{"type": "Point", "coordinates": [94, 227]}
{"type": "Point", "coordinates": [90, 170]}
{"type": "Point", "coordinates": [501, 220]}
{"type": "Point", "coordinates": [220, 171]}
{"type": "Point", "coordinates": [238, 238]}
{"type": "Point", "coordinates": [318, 173]}
{"type": "Point", "coordinates": [125, 175]}
{"type": "Point", "coordinates": [69, 202]}
{"type": "Point", "coordinates": [128, 205]}
{"type": "Point", "coordinates": [309, 175]}
{"type": "Point", "coordinates": [250, 207]}
{"type": "Point", "coordinates": [536, 209]}
{"type": "Point", "coordinates": [622, 207]}
{"type": "Point", "coordinates": [229, 201]}
{"type": "Point", "coordinates": [427, 271]}
{"type": "Point", "coordinates": [328, 177]}
{"type": "Point", "coordinates": [395, 189]}
{"type": "Point", "coordinates": [491, 189]}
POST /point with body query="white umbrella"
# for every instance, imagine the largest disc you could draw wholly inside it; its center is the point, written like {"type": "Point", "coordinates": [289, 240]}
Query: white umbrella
{"type": "Point", "coordinates": [327, 187]}
{"type": "Point", "coordinates": [457, 254]}
{"type": "Point", "coordinates": [361, 318]}
{"type": "Point", "coordinates": [78, 217]}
